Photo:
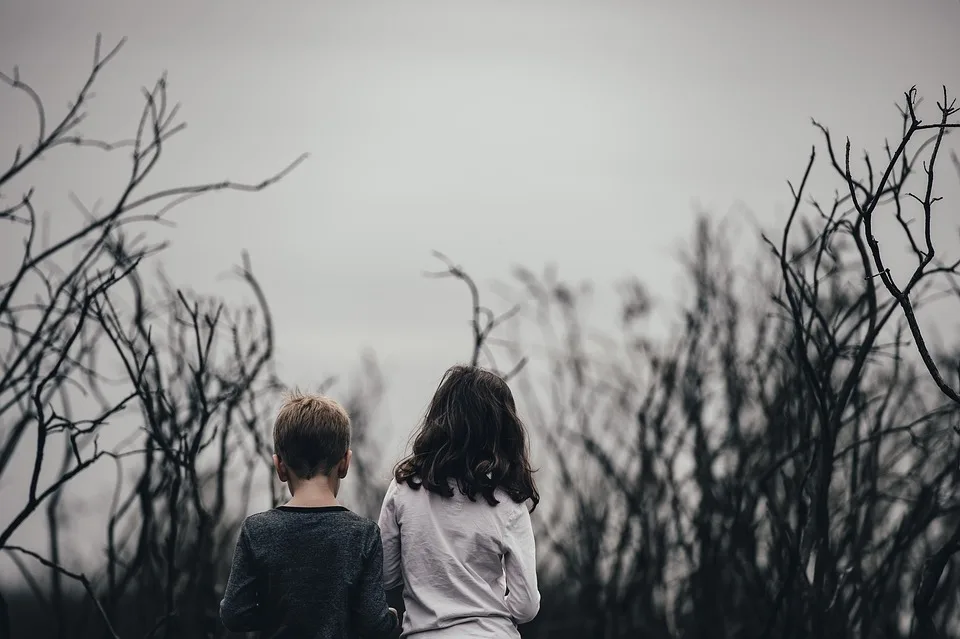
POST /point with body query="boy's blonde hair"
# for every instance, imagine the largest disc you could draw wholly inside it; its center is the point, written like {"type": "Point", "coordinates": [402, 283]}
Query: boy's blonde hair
{"type": "Point", "coordinates": [311, 434]}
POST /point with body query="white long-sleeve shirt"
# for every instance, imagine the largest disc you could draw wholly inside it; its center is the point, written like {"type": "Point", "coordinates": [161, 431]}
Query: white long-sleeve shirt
{"type": "Point", "coordinates": [469, 570]}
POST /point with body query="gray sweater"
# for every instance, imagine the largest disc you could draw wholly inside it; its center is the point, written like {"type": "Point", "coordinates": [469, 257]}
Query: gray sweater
{"type": "Point", "coordinates": [309, 573]}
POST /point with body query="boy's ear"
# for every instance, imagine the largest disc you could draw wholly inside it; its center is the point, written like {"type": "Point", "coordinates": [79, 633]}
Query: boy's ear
{"type": "Point", "coordinates": [281, 468]}
{"type": "Point", "coordinates": [345, 464]}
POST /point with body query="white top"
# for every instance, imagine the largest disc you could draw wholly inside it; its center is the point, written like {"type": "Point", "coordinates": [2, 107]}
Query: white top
{"type": "Point", "coordinates": [468, 569]}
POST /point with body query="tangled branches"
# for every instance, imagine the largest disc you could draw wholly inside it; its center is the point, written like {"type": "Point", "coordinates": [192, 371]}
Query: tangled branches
{"type": "Point", "coordinates": [76, 307]}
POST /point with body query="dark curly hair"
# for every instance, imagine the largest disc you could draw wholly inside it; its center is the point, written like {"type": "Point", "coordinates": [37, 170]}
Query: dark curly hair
{"type": "Point", "coordinates": [471, 433]}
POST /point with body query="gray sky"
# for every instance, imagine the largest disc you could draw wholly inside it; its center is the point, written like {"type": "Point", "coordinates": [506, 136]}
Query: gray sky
{"type": "Point", "coordinates": [501, 133]}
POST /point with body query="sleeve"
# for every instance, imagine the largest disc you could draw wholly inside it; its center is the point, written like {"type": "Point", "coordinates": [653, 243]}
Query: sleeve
{"type": "Point", "coordinates": [390, 536]}
{"type": "Point", "coordinates": [520, 568]}
{"type": "Point", "coordinates": [371, 615]}
{"type": "Point", "coordinates": [240, 610]}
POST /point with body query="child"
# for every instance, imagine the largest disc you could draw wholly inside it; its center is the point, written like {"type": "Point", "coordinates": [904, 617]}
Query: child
{"type": "Point", "coordinates": [310, 568]}
{"type": "Point", "coordinates": [455, 527]}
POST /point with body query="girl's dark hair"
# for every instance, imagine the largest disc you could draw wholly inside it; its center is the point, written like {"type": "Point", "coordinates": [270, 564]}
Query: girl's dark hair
{"type": "Point", "coordinates": [472, 434]}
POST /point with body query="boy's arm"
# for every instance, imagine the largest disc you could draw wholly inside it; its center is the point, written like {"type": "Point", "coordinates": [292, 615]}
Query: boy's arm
{"type": "Point", "coordinates": [520, 568]}
{"type": "Point", "coordinates": [240, 610]}
{"type": "Point", "coordinates": [395, 600]}
{"type": "Point", "coordinates": [390, 537]}
{"type": "Point", "coordinates": [371, 616]}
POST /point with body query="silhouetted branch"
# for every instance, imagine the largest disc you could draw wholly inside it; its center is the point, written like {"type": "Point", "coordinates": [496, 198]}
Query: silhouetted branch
{"type": "Point", "coordinates": [79, 577]}
{"type": "Point", "coordinates": [67, 326]}
{"type": "Point", "coordinates": [925, 255]}
{"type": "Point", "coordinates": [484, 321]}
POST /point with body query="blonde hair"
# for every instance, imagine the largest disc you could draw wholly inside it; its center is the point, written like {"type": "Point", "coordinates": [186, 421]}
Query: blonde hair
{"type": "Point", "coordinates": [311, 434]}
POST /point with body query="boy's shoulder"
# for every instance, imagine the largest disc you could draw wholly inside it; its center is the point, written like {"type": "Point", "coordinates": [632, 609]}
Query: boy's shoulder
{"type": "Point", "coordinates": [287, 517]}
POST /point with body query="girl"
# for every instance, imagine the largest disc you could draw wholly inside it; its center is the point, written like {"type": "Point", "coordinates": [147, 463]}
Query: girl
{"type": "Point", "coordinates": [455, 527]}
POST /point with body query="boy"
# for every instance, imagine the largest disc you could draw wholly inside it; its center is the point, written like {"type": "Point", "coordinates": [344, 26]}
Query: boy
{"type": "Point", "coordinates": [310, 568]}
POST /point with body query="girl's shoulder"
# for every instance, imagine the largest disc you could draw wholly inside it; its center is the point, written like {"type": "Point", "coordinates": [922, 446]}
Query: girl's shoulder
{"type": "Point", "coordinates": [400, 491]}
{"type": "Point", "coordinates": [511, 509]}
{"type": "Point", "coordinates": [508, 510]}
{"type": "Point", "coordinates": [395, 491]}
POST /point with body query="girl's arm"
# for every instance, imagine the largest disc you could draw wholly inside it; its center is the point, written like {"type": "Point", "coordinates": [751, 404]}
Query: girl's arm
{"type": "Point", "coordinates": [240, 610]}
{"type": "Point", "coordinates": [390, 538]}
{"type": "Point", "coordinates": [520, 567]}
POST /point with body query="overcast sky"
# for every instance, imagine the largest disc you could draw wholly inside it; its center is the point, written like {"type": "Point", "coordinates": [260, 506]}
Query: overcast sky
{"type": "Point", "coordinates": [501, 133]}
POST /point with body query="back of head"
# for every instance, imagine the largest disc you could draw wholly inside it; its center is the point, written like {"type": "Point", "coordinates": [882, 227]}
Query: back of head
{"type": "Point", "coordinates": [471, 434]}
{"type": "Point", "coordinates": [311, 434]}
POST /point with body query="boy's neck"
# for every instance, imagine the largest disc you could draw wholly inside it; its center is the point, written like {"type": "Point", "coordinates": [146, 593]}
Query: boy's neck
{"type": "Point", "coordinates": [314, 493]}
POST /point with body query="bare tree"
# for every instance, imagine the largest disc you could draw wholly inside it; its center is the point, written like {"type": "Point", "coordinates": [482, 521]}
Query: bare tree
{"type": "Point", "coordinates": [687, 470]}
{"type": "Point", "coordinates": [483, 321]}
{"type": "Point", "coordinates": [203, 394]}
{"type": "Point", "coordinates": [867, 194]}
{"type": "Point", "coordinates": [769, 470]}
{"type": "Point", "coordinates": [63, 312]}
{"type": "Point", "coordinates": [852, 218]}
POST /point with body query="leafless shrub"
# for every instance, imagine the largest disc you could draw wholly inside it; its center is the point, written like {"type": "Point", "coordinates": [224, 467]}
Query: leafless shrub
{"type": "Point", "coordinates": [779, 468]}
{"type": "Point", "coordinates": [71, 309]}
